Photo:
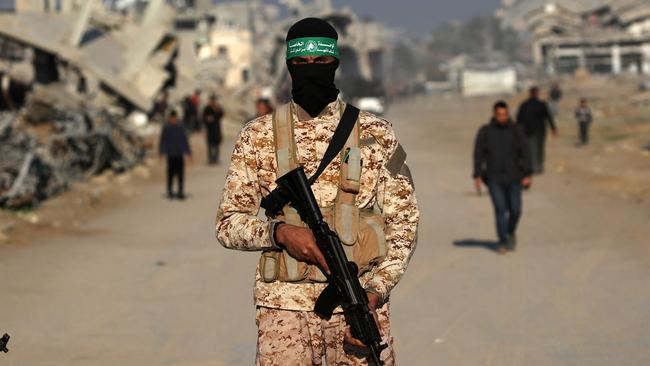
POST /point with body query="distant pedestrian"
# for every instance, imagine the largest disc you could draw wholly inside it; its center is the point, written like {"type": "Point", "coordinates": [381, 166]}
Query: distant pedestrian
{"type": "Point", "coordinates": [175, 146]}
{"type": "Point", "coordinates": [584, 118]}
{"type": "Point", "coordinates": [196, 105]}
{"type": "Point", "coordinates": [191, 105]}
{"type": "Point", "coordinates": [188, 112]}
{"type": "Point", "coordinates": [502, 162]}
{"type": "Point", "coordinates": [534, 116]}
{"type": "Point", "coordinates": [160, 107]}
{"type": "Point", "coordinates": [263, 107]}
{"type": "Point", "coordinates": [212, 115]}
{"type": "Point", "coordinates": [554, 97]}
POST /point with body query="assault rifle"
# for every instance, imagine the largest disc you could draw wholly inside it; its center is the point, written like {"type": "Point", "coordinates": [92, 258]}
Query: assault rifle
{"type": "Point", "coordinates": [344, 288]}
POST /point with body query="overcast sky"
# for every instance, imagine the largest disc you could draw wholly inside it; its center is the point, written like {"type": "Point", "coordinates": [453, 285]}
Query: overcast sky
{"type": "Point", "coordinates": [420, 15]}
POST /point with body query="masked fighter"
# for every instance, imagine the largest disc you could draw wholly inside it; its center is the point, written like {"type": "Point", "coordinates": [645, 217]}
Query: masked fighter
{"type": "Point", "coordinates": [366, 194]}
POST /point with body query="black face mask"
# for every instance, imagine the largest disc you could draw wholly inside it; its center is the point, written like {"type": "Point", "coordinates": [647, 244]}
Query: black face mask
{"type": "Point", "coordinates": [313, 85]}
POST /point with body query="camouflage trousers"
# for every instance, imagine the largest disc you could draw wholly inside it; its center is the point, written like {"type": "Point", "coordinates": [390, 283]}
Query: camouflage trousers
{"type": "Point", "coordinates": [301, 338]}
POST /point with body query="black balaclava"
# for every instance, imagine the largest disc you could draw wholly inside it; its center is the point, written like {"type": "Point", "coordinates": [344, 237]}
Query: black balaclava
{"type": "Point", "coordinates": [313, 84]}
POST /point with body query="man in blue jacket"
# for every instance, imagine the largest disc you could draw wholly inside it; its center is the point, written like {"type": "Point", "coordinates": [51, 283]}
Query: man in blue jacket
{"type": "Point", "coordinates": [174, 145]}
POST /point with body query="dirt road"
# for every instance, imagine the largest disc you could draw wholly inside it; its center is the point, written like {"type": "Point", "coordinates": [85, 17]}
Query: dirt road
{"type": "Point", "coordinates": [145, 284]}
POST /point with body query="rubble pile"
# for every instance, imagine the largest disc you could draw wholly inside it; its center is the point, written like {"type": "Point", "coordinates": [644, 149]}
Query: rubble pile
{"type": "Point", "coordinates": [44, 148]}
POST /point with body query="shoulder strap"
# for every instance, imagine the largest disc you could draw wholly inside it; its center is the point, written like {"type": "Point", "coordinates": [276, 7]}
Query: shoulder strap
{"type": "Point", "coordinates": [341, 134]}
{"type": "Point", "coordinates": [285, 151]}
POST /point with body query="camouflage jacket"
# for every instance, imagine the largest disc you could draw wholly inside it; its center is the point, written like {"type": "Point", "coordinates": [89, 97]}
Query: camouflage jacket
{"type": "Point", "coordinates": [252, 173]}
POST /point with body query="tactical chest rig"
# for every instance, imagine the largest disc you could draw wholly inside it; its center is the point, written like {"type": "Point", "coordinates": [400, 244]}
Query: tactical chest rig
{"type": "Point", "coordinates": [360, 230]}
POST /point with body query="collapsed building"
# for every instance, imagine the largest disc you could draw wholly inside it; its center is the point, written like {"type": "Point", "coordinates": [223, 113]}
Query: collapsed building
{"type": "Point", "coordinates": [109, 59]}
{"type": "Point", "coordinates": [599, 36]}
{"type": "Point", "coordinates": [132, 50]}
{"type": "Point", "coordinates": [71, 75]}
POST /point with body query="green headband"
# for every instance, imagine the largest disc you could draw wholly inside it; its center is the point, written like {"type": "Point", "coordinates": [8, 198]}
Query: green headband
{"type": "Point", "coordinates": [312, 46]}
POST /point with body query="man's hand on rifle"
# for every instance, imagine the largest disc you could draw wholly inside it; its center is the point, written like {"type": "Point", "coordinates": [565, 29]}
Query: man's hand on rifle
{"type": "Point", "coordinates": [300, 243]}
{"type": "Point", "coordinates": [373, 301]}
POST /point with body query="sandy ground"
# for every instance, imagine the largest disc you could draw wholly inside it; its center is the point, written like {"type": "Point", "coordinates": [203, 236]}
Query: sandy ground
{"type": "Point", "coordinates": [143, 282]}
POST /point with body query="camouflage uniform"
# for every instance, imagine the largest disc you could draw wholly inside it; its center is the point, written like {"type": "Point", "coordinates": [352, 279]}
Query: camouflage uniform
{"type": "Point", "coordinates": [288, 338]}
{"type": "Point", "coordinates": [384, 184]}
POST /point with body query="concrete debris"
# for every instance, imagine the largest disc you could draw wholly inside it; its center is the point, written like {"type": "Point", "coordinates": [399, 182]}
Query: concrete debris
{"type": "Point", "coordinates": [45, 148]}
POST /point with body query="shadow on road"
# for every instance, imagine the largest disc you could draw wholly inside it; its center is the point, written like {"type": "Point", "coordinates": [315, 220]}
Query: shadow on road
{"type": "Point", "coordinates": [469, 243]}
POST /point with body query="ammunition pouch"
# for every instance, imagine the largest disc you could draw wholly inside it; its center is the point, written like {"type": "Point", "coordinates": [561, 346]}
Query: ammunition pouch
{"type": "Point", "coordinates": [368, 248]}
{"type": "Point", "coordinates": [361, 231]}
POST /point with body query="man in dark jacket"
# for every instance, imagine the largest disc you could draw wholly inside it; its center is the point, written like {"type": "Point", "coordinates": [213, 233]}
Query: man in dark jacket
{"type": "Point", "coordinates": [502, 161]}
{"type": "Point", "coordinates": [212, 114]}
{"type": "Point", "coordinates": [174, 145]}
{"type": "Point", "coordinates": [534, 115]}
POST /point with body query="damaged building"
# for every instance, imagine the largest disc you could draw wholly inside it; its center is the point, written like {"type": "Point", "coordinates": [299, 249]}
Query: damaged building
{"type": "Point", "coordinates": [90, 70]}
{"type": "Point", "coordinates": [72, 75]}
{"type": "Point", "coordinates": [131, 51]}
{"type": "Point", "coordinates": [96, 51]}
{"type": "Point", "coordinates": [608, 37]}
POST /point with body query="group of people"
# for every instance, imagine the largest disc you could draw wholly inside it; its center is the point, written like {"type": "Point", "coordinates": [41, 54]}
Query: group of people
{"type": "Point", "coordinates": [507, 153]}
{"type": "Point", "coordinates": [174, 143]}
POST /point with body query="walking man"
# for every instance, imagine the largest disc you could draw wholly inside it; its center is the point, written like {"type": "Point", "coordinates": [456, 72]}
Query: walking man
{"type": "Point", "coordinates": [372, 208]}
{"type": "Point", "coordinates": [534, 116]}
{"type": "Point", "coordinates": [584, 118]}
{"type": "Point", "coordinates": [212, 114]}
{"type": "Point", "coordinates": [502, 162]}
{"type": "Point", "coordinates": [175, 146]}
